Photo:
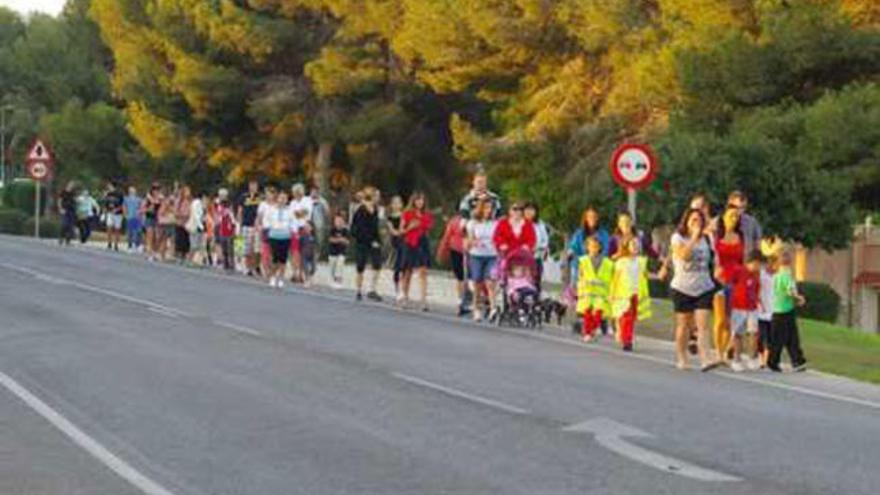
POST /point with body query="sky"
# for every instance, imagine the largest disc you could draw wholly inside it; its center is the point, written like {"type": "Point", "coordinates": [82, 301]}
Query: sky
{"type": "Point", "coordinates": [25, 6]}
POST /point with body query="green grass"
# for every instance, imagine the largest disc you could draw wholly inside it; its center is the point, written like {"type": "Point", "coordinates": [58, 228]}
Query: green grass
{"type": "Point", "coordinates": [829, 348]}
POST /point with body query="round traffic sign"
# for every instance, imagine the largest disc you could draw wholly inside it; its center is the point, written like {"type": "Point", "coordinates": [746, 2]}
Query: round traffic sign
{"type": "Point", "coordinates": [38, 170]}
{"type": "Point", "coordinates": [634, 166]}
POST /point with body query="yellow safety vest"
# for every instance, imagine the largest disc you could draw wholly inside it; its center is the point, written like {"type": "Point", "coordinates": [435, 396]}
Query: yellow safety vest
{"type": "Point", "coordinates": [621, 283]}
{"type": "Point", "coordinates": [592, 285]}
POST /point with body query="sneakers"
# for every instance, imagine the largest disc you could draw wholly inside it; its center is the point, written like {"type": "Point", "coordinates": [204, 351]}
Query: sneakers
{"type": "Point", "coordinates": [801, 367]}
{"type": "Point", "coordinates": [273, 282]}
{"type": "Point", "coordinates": [588, 338]}
{"type": "Point", "coordinates": [682, 366]}
{"type": "Point", "coordinates": [737, 366]}
{"type": "Point", "coordinates": [359, 297]}
{"type": "Point", "coordinates": [374, 296]}
{"type": "Point", "coordinates": [753, 364]}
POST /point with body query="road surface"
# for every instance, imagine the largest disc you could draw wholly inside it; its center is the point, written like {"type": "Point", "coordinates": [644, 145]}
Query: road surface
{"type": "Point", "coordinates": [122, 377]}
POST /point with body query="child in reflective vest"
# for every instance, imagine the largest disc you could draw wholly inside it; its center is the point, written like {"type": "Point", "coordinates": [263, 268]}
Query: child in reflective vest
{"type": "Point", "coordinates": [594, 276]}
{"type": "Point", "coordinates": [628, 293]}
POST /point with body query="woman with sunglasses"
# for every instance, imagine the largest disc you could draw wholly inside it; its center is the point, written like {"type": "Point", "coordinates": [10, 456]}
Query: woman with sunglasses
{"type": "Point", "coordinates": [514, 232]}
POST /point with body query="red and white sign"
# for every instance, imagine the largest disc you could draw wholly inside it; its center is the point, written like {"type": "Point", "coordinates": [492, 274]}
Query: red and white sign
{"type": "Point", "coordinates": [39, 161]}
{"type": "Point", "coordinates": [634, 166]}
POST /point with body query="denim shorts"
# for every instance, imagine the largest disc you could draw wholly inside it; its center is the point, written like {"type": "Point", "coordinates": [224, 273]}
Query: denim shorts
{"type": "Point", "coordinates": [480, 267]}
{"type": "Point", "coordinates": [743, 321]}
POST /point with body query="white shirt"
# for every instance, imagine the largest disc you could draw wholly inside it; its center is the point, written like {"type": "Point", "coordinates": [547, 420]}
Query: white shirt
{"type": "Point", "coordinates": [196, 216]}
{"type": "Point", "coordinates": [278, 220]}
{"type": "Point", "coordinates": [303, 204]}
{"type": "Point", "coordinates": [481, 234]}
{"type": "Point", "coordinates": [542, 239]}
{"type": "Point", "coordinates": [295, 222]}
{"type": "Point", "coordinates": [262, 222]}
{"type": "Point", "coordinates": [765, 313]}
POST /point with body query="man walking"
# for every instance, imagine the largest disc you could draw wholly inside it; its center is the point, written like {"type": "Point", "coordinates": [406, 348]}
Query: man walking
{"type": "Point", "coordinates": [131, 206]}
{"type": "Point", "coordinates": [246, 214]}
{"type": "Point", "coordinates": [113, 210]}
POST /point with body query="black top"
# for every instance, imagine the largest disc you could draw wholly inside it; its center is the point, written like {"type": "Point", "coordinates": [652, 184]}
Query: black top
{"type": "Point", "coordinates": [151, 206]}
{"type": "Point", "coordinates": [113, 201]}
{"type": "Point", "coordinates": [68, 202]}
{"type": "Point", "coordinates": [249, 205]}
{"type": "Point", "coordinates": [365, 226]}
{"type": "Point", "coordinates": [469, 202]}
{"type": "Point", "coordinates": [338, 248]}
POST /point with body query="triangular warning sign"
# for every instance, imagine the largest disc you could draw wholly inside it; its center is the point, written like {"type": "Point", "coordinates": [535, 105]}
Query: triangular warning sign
{"type": "Point", "coordinates": [38, 152]}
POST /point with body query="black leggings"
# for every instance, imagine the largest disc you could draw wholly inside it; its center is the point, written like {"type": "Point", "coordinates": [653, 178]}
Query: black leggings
{"type": "Point", "coordinates": [784, 334]}
{"type": "Point", "coordinates": [181, 241]}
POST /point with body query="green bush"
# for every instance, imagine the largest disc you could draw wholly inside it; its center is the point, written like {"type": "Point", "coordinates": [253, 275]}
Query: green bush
{"type": "Point", "coordinates": [50, 227]}
{"type": "Point", "coordinates": [823, 303]}
{"type": "Point", "coordinates": [12, 221]}
{"type": "Point", "coordinates": [20, 195]}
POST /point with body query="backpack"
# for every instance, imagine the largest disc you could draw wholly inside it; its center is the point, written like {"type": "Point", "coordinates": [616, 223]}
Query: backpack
{"type": "Point", "coordinates": [227, 224]}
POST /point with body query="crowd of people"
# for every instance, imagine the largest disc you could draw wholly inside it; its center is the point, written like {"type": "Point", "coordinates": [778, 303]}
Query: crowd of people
{"type": "Point", "coordinates": [720, 268]}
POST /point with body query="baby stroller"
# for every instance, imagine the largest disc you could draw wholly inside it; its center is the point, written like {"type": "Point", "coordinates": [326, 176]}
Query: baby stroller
{"type": "Point", "coordinates": [520, 305]}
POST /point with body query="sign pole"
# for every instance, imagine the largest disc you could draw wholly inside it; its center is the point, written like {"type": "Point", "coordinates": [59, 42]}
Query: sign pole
{"type": "Point", "coordinates": [37, 209]}
{"type": "Point", "coordinates": [631, 198]}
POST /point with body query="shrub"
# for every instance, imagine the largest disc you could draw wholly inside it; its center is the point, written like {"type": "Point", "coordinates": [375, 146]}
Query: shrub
{"type": "Point", "coordinates": [12, 221]}
{"type": "Point", "coordinates": [20, 195]}
{"type": "Point", "coordinates": [822, 302]}
{"type": "Point", "coordinates": [50, 227]}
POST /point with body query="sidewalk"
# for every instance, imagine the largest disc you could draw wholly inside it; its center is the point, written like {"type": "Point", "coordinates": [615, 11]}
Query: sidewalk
{"type": "Point", "coordinates": [443, 301]}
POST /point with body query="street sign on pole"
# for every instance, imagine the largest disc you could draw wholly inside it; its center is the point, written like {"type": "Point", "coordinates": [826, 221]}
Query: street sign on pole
{"type": "Point", "coordinates": [39, 166]}
{"type": "Point", "coordinates": [634, 167]}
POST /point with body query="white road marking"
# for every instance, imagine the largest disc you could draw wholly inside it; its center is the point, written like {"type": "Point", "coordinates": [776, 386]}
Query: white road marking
{"type": "Point", "coordinates": [87, 443]}
{"type": "Point", "coordinates": [97, 290]}
{"type": "Point", "coordinates": [238, 328]}
{"type": "Point", "coordinates": [461, 394]}
{"type": "Point", "coordinates": [802, 390]}
{"type": "Point", "coordinates": [610, 434]}
{"type": "Point", "coordinates": [162, 312]}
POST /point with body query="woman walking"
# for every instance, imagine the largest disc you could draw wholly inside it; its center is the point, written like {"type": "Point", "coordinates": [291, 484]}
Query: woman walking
{"type": "Point", "coordinates": [182, 213]}
{"type": "Point", "coordinates": [482, 256]}
{"type": "Point", "coordinates": [167, 226]}
{"type": "Point", "coordinates": [542, 238]}
{"type": "Point", "coordinates": [417, 221]}
{"type": "Point", "coordinates": [692, 286]}
{"type": "Point", "coordinates": [395, 211]}
{"type": "Point", "coordinates": [625, 231]}
{"type": "Point", "coordinates": [452, 248]}
{"type": "Point", "coordinates": [730, 249]}
{"type": "Point", "coordinates": [277, 218]}
{"type": "Point", "coordinates": [514, 232]}
{"type": "Point", "coordinates": [67, 209]}
{"type": "Point", "coordinates": [367, 245]}
{"type": "Point", "coordinates": [151, 205]}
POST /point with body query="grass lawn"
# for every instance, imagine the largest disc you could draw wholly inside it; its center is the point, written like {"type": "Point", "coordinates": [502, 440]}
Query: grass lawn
{"type": "Point", "coordinates": [829, 348]}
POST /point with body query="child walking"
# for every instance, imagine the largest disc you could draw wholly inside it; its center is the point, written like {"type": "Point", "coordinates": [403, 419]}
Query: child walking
{"type": "Point", "coordinates": [338, 245]}
{"type": "Point", "coordinates": [765, 313]}
{"type": "Point", "coordinates": [307, 248]}
{"type": "Point", "coordinates": [628, 292]}
{"type": "Point", "coordinates": [784, 327]}
{"type": "Point", "coordinates": [594, 276]}
{"type": "Point", "coordinates": [745, 281]}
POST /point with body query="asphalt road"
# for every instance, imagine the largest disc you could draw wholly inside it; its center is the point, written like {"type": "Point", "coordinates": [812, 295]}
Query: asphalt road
{"type": "Point", "coordinates": [118, 377]}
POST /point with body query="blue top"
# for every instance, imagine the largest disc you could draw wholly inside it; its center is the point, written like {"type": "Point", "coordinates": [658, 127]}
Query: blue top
{"type": "Point", "coordinates": [132, 206]}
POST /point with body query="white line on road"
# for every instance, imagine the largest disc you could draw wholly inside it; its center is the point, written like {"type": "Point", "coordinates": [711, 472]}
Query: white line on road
{"type": "Point", "coordinates": [610, 433]}
{"type": "Point", "coordinates": [162, 312]}
{"type": "Point", "coordinates": [87, 443]}
{"type": "Point", "coordinates": [461, 394]}
{"type": "Point", "coordinates": [238, 328]}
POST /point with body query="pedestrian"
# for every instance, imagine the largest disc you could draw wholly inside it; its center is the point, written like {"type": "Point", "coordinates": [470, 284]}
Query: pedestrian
{"type": "Point", "coordinates": [307, 252]}
{"type": "Point", "coordinates": [480, 192]}
{"type": "Point", "coordinates": [416, 223]}
{"type": "Point", "coordinates": [395, 211]}
{"type": "Point", "coordinates": [210, 234]}
{"type": "Point", "coordinates": [320, 217]}
{"type": "Point", "coordinates": [628, 292]}
{"type": "Point", "coordinates": [750, 228]}
{"type": "Point", "coordinates": [729, 248]}
{"type": "Point", "coordinates": [113, 211]}
{"type": "Point", "coordinates": [626, 230]}
{"type": "Point", "coordinates": [301, 211]}
{"type": "Point", "coordinates": [132, 208]}
{"type": "Point", "coordinates": [482, 257]}
{"type": "Point", "coordinates": [784, 333]}
{"type": "Point", "coordinates": [594, 278]}
{"type": "Point", "coordinates": [167, 225]}
{"type": "Point", "coordinates": [195, 228]}
{"type": "Point", "coordinates": [338, 242]}
{"type": "Point", "coordinates": [692, 286]}
{"type": "Point", "coordinates": [86, 212]}
{"type": "Point", "coordinates": [745, 301]}
{"type": "Point", "coordinates": [590, 227]}
{"type": "Point", "coordinates": [514, 232]}
{"type": "Point", "coordinates": [226, 227]}
{"type": "Point", "coordinates": [368, 248]}
{"type": "Point", "coordinates": [67, 209]}
{"type": "Point", "coordinates": [451, 248]}
{"type": "Point", "coordinates": [152, 205]}
{"type": "Point", "coordinates": [765, 311]}
{"type": "Point", "coordinates": [246, 215]}
{"type": "Point", "coordinates": [269, 202]}
{"type": "Point", "coordinates": [182, 212]}
{"type": "Point", "coordinates": [278, 221]}
{"type": "Point", "coordinates": [542, 239]}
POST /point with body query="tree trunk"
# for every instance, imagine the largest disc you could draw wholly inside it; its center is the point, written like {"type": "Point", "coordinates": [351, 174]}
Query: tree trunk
{"type": "Point", "coordinates": [322, 167]}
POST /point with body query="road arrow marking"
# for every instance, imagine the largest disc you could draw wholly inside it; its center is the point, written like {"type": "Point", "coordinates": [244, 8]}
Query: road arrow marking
{"type": "Point", "coordinates": [610, 434]}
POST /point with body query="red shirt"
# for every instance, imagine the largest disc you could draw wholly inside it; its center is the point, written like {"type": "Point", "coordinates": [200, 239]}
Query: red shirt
{"type": "Point", "coordinates": [506, 240]}
{"type": "Point", "coordinates": [454, 234]}
{"type": "Point", "coordinates": [746, 289]}
{"type": "Point", "coordinates": [730, 257]}
{"type": "Point", "coordinates": [426, 221]}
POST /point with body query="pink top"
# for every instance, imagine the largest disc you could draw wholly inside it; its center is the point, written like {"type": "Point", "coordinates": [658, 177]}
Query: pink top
{"type": "Point", "coordinates": [516, 283]}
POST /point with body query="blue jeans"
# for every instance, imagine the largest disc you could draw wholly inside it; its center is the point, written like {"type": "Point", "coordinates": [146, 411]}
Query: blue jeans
{"type": "Point", "coordinates": [134, 230]}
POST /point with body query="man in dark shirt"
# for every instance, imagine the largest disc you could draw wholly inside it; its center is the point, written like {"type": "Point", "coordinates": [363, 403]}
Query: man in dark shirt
{"type": "Point", "coordinates": [365, 231]}
{"type": "Point", "coordinates": [67, 209]}
{"type": "Point", "coordinates": [113, 200]}
{"type": "Point", "coordinates": [480, 192]}
{"type": "Point", "coordinates": [248, 204]}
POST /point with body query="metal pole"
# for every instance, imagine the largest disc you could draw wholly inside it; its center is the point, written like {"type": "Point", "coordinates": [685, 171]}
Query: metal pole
{"type": "Point", "coordinates": [3, 146]}
{"type": "Point", "coordinates": [631, 202]}
{"type": "Point", "coordinates": [37, 210]}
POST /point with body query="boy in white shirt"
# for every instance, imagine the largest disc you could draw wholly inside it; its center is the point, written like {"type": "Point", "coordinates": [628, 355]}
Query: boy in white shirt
{"type": "Point", "coordinates": [765, 311]}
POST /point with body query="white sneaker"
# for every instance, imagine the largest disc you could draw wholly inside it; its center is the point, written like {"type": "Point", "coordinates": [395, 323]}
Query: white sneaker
{"type": "Point", "coordinates": [272, 282]}
{"type": "Point", "coordinates": [737, 366]}
{"type": "Point", "coordinates": [753, 364]}
{"type": "Point", "coordinates": [280, 283]}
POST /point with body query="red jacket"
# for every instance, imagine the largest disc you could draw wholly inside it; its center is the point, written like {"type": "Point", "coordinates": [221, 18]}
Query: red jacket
{"type": "Point", "coordinates": [506, 240]}
{"type": "Point", "coordinates": [746, 289]}
{"type": "Point", "coordinates": [426, 222]}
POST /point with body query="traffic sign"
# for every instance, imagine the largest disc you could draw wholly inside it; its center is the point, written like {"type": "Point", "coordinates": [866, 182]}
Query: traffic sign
{"type": "Point", "coordinates": [634, 166]}
{"type": "Point", "coordinates": [39, 153]}
{"type": "Point", "coordinates": [39, 171]}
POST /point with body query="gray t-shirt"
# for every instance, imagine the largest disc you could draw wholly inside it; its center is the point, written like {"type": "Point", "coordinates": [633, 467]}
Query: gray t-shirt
{"type": "Point", "coordinates": [691, 277]}
{"type": "Point", "coordinates": [481, 233]}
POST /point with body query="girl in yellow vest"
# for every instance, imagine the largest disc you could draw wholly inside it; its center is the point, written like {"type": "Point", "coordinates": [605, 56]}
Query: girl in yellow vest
{"type": "Point", "coordinates": [594, 276]}
{"type": "Point", "coordinates": [628, 293]}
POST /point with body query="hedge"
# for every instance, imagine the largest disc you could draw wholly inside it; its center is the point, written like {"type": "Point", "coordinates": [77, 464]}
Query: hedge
{"type": "Point", "coordinates": [20, 195]}
{"type": "Point", "coordinates": [50, 227]}
{"type": "Point", "coordinates": [12, 221]}
{"type": "Point", "coordinates": [823, 303]}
